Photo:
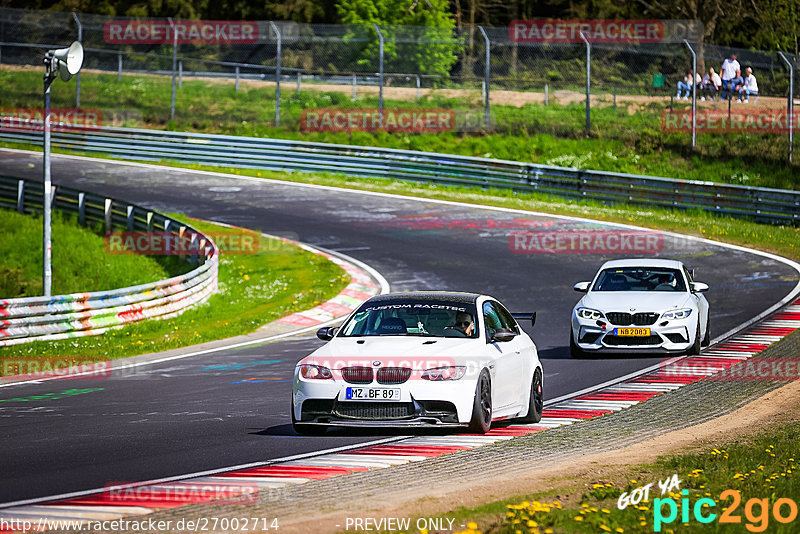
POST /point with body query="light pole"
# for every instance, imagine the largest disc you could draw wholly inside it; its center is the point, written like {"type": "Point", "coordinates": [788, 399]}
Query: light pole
{"type": "Point", "coordinates": [65, 62]}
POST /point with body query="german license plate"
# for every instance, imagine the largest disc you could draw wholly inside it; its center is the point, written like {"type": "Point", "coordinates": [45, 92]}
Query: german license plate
{"type": "Point", "coordinates": [382, 394]}
{"type": "Point", "coordinates": [638, 332]}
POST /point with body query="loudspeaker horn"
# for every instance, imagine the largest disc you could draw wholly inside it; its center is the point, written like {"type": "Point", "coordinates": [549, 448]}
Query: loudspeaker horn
{"type": "Point", "coordinates": [68, 61]}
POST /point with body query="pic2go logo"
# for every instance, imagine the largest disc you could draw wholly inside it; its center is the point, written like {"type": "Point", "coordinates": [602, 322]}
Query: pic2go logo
{"type": "Point", "coordinates": [756, 511]}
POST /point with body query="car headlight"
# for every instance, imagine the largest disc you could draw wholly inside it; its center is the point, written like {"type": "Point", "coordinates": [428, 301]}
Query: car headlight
{"type": "Point", "coordinates": [315, 372]}
{"type": "Point", "coordinates": [588, 313]}
{"type": "Point", "coordinates": [437, 374]}
{"type": "Point", "coordinates": [677, 314]}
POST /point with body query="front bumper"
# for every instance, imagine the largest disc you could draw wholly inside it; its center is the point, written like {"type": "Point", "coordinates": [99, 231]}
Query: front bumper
{"type": "Point", "coordinates": [421, 403]}
{"type": "Point", "coordinates": [673, 337]}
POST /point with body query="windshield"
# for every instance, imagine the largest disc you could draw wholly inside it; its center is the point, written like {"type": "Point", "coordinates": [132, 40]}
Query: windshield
{"type": "Point", "coordinates": [413, 318]}
{"type": "Point", "coordinates": [640, 279]}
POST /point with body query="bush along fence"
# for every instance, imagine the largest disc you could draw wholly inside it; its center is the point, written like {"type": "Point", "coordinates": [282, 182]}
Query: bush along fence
{"type": "Point", "coordinates": [81, 314]}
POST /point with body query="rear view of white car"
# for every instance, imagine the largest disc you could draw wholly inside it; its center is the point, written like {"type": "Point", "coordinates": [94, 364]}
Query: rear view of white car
{"type": "Point", "coordinates": [640, 306]}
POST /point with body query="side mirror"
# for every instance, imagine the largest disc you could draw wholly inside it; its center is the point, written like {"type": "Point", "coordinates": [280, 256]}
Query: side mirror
{"type": "Point", "coordinates": [503, 335]}
{"type": "Point", "coordinates": [326, 333]}
{"type": "Point", "coordinates": [581, 287]}
{"type": "Point", "coordinates": [699, 287]}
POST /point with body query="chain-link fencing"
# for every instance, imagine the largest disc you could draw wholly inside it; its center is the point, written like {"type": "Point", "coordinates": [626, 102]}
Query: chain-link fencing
{"type": "Point", "coordinates": [465, 75]}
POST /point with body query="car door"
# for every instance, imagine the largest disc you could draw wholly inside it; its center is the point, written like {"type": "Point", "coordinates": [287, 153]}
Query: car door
{"type": "Point", "coordinates": [699, 302]}
{"type": "Point", "coordinates": [507, 358]}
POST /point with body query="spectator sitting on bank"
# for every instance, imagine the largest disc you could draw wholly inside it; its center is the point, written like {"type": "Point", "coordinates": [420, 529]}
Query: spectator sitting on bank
{"type": "Point", "coordinates": [686, 85]}
{"type": "Point", "coordinates": [737, 83]}
{"type": "Point", "coordinates": [730, 68]}
{"type": "Point", "coordinates": [710, 85]}
{"type": "Point", "coordinates": [750, 86]}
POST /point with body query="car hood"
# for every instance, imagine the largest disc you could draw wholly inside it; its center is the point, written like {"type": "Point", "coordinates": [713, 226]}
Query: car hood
{"type": "Point", "coordinates": [639, 301]}
{"type": "Point", "coordinates": [395, 351]}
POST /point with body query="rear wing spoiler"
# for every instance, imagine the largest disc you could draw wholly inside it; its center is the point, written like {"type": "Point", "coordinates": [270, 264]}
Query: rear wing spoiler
{"type": "Point", "coordinates": [526, 316]}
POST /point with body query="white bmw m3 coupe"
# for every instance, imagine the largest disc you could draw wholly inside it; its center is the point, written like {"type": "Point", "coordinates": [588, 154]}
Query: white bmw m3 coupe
{"type": "Point", "coordinates": [640, 306]}
{"type": "Point", "coordinates": [433, 359]}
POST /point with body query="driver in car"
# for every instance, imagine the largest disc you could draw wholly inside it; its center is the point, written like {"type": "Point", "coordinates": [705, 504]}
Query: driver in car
{"type": "Point", "coordinates": [464, 323]}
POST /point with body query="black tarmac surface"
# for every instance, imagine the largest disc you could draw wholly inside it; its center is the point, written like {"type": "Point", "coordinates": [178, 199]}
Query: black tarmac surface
{"type": "Point", "coordinates": [202, 413]}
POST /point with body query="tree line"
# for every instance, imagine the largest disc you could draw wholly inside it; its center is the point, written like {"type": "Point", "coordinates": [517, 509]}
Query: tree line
{"type": "Point", "coordinates": [756, 24]}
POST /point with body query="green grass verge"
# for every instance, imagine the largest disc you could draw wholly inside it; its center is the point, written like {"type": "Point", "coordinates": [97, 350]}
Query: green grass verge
{"type": "Point", "coordinates": [254, 289]}
{"type": "Point", "coordinates": [761, 467]}
{"type": "Point", "coordinates": [628, 139]}
{"type": "Point", "coordinates": [79, 262]}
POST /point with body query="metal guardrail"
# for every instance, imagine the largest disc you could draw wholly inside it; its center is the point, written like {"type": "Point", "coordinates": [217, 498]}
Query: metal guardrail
{"type": "Point", "coordinates": [80, 314]}
{"type": "Point", "coordinates": [756, 203]}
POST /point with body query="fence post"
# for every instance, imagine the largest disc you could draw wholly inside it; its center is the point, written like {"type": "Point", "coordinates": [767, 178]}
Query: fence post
{"type": "Point", "coordinates": [588, 80]}
{"type": "Point", "coordinates": [487, 72]}
{"type": "Point", "coordinates": [380, 72]}
{"type": "Point", "coordinates": [107, 215]}
{"type": "Point", "coordinates": [694, 91]}
{"type": "Point", "coordinates": [277, 75]}
{"type": "Point", "coordinates": [546, 93]}
{"type": "Point", "coordinates": [299, 75]}
{"type": "Point", "coordinates": [174, 66]}
{"type": "Point", "coordinates": [354, 87]}
{"type": "Point", "coordinates": [791, 103]}
{"type": "Point", "coordinates": [236, 87]}
{"type": "Point", "coordinates": [417, 86]}
{"type": "Point", "coordinates": [119, 66]}
{"type": "Point", "coordinates": [180, 73]}
{"type": "Point", "coordinates": [78, 76]}
{"type": "Point", "coordinates": [82, 209]}
{"type": "Point", "coordinates": [615, 98]}
{"type": "Point", "coordinates": [21, 196]}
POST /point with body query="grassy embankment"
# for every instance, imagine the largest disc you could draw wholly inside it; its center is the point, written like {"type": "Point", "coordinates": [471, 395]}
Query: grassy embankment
{"type": "Point", "coordinates": [628, 139]}
{"type": "Point", "coordinates": [762, 467]}
{"type": "Point", "coordinates": [254, 289]}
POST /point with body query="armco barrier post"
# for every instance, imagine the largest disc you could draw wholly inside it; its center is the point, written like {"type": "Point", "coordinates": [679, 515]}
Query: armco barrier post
{"type": "Point", "coordinates": [78, 76]}
{"type": "Point", "coordinates": [380, 72]}
{"type": "Point", "coordinates": [588, 80]}
{"type": "Point", "coordinates": [791, 103]}
{"type": "Point", "coordinates": [487, 73]}
{"type": "Point", "coordinates": [277, 75]}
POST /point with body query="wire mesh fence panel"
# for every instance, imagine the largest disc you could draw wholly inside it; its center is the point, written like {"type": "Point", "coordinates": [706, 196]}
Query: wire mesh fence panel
{"type": "Point", "coordinates": [130, 63]}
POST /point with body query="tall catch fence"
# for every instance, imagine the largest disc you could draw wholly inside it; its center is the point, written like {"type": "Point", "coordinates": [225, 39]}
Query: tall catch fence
{"type": "Point", "coordinates": [472, 69]}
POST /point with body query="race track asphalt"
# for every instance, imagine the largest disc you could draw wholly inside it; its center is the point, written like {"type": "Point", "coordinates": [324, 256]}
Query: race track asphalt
{"type": "Point", "coordinates": [201, 413]}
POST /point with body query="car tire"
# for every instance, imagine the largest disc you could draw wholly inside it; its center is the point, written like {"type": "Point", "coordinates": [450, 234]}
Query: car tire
{"type": "Point", "coordinates": [695, 348]}
{"type": "Point", "coordinates": [481, 420]}
{"type": "Point", "coordinates": [304, 429]}
{"type": "Point", "coordinates": [535, 400]}
{"type": "Point", "coordinates": [707, 338]}
{"type": "Point", "coordinates": [574, 350]}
